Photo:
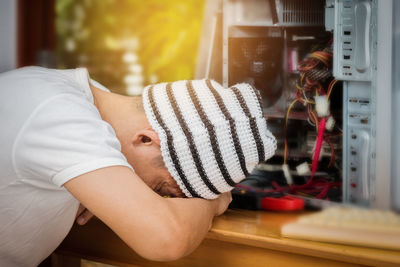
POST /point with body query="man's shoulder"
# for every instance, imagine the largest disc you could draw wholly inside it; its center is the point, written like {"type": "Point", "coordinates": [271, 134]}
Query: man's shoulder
{"type": "Point", "coordinates": [30, 73]}
{"type": "Point", "coordinates": [35, 83]}
{"type": "Point", "coordinates": [28, 88]}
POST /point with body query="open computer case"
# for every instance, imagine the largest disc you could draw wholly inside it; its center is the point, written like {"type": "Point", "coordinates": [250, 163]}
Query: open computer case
{"type": "Point", "coordinates": [329, 75]}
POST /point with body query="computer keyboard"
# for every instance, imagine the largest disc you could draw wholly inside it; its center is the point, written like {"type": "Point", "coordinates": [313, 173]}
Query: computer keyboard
{"type": "Point", "coordinates": [348, 225]}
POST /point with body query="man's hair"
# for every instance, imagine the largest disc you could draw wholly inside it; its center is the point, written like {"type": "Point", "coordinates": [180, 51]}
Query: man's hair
{"type": "Point", "coordinates": [158, 162]}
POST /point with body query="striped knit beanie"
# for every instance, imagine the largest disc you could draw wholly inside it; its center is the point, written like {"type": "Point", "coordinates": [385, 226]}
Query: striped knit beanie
{"type": "Point", "coordinates": [211, 137]}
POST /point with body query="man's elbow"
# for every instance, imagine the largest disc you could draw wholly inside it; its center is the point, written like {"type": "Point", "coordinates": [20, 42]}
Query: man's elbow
{"type": "Point", "coordinates": [167, 247]}
{"type": "Point", "coordinates": [174, 250]}
{"type": "Point", "coordinates": [166, 240]}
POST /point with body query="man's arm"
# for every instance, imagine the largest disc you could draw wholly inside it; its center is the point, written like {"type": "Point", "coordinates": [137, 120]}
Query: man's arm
{"type": "Point", "coordinates": [157, 228]}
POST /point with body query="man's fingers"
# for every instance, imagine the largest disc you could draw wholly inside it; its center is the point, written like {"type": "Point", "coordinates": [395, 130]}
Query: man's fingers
{"type": "Point", "coordinates": [223, 202]}
{"type": "Point", "coordinates": [84, 217]}
{"type": "Point", "coordinates": [229, 196]}
{"type": "Point", "coordinates": [80, 210]}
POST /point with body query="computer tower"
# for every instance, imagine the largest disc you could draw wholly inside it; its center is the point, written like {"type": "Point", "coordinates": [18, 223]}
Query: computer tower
{"type": "Point", "coordinates": [265, 43]}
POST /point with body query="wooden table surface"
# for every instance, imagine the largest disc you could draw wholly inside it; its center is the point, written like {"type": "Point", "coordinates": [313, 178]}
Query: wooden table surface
{"type": "Point", "coordinates": [237, 238]}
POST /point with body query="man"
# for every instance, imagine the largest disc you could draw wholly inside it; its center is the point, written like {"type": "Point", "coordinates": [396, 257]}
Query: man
{"type": "Point", "coordinates": [67, 140]}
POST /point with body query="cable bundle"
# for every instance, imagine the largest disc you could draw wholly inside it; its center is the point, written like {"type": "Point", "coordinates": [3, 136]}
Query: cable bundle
{"type": "Point", "coordinates": [313, 91]}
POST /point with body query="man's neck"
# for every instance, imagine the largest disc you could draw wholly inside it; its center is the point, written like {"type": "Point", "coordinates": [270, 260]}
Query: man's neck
{"type": "Point", "coordinates": [124, 113]}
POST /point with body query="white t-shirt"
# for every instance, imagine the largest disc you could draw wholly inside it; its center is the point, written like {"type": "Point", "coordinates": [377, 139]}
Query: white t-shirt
{"type": "Point", "coordinates": [50, 133]}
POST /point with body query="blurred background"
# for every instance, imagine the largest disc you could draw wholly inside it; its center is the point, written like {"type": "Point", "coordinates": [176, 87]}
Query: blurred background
{"type": "Point", "coordinates": [125, 44]}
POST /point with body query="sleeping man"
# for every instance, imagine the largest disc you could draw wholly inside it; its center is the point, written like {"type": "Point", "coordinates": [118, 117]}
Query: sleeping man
{"type": "Point", "coordinates": [66, 140]}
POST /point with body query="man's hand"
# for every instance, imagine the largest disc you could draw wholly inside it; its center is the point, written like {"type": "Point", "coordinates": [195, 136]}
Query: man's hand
{"type": "Point", "coordinates": [222, 203]}
{"type": "Point", "coordinates": [83, 215]}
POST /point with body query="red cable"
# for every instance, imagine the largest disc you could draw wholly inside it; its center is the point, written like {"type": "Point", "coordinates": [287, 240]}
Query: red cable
{"type": "Point", "coordinates": [324, 192]}
{"type": "Point", "coordinates": [332, 160]}
{"type": "Point", "coordinates": [320, 139]}
{"type": "Point", "coordinates": [318, 146]}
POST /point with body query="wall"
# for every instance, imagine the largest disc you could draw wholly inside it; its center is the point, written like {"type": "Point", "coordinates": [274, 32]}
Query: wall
{"type": "Point", "coordinates": [395, 186]}
{"type": "Point", "coordinates": [8, 34]}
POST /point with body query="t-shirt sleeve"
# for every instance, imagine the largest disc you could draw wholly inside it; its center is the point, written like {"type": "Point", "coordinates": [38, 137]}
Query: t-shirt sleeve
{"type": "Point", "coordinates": [63, 138]}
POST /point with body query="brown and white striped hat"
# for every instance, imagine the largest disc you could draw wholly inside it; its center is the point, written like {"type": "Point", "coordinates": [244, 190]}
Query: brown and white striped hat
{"type": "Point", "coordinates": [211, 137]}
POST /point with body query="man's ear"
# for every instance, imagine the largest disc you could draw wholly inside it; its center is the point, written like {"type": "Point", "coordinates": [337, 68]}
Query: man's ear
{"type": "Point", "coordinates": [146, 137]}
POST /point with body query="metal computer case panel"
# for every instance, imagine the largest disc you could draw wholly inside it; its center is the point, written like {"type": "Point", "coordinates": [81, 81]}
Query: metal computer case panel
{"type": "Point", "coordinates": [355, 64]}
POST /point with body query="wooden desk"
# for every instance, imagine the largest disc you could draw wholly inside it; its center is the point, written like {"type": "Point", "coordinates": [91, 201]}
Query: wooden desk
{"type": "Point", "coordinates": [237, 238]}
